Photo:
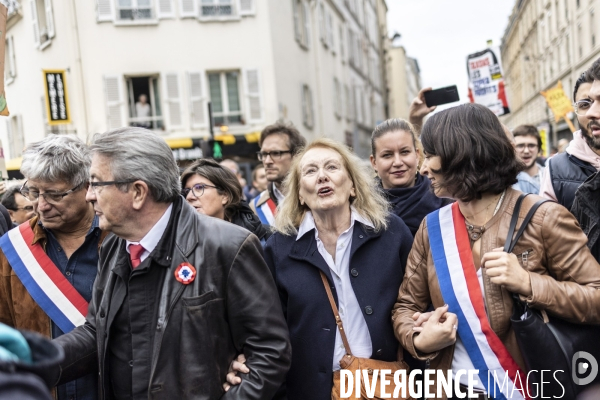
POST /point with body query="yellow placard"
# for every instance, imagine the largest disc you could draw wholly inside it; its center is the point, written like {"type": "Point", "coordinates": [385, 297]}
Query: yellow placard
{"type": "Point", "coordinates": [558, 101]}
{"type": "Point", "coordinates": [57, 101]}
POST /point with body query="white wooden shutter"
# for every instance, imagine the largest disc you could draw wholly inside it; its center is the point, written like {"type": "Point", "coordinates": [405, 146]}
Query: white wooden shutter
{"type": "Point", "coordinates": [165, 9]}
{"type": "Point", "coordinates": [12, 61]}
{"type": "Point", "coordinates": [188, 8]}
{"type": "Point", "coordinates": [34, 21]}
{"type": "Point", "coordinates": [197, 99]}
{"type": "Point", "coordinates": [104, 10]}
{"type": "Point", "coordinates": [49, 18]}
{"type": "Point", "coordinates": [321, 14]}
{"type": "Point", "coordinates": [173, 98]}
{"type": "Point", "coordinates": [306, 11]}
{"type": "Point", "coordinates": [115, 111]}
{"type": "Point", "coordinates": [253, 95]}
{"type": "Point", "coordinates": [247, 7]}
{"type": "Point", "coordinates": [329, 29]}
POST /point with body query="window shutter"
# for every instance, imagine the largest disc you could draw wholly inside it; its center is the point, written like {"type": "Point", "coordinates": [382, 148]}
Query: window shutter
{"type": "Point", "coordinates": [104, 10]}
{"type": "Point", "coordinates": [164, 9]}
{"type": "Point", "coordinates": [253, 95]}
{"type": "Point", "coordinates": [188, 8]}
{"type": "Point", "coordinates": [197, 99]}
{"type": "Point", "coordinates": [322, 33]}
{"type": "Point", "coordinates": [297, 27]}
{"type": "Point", "coordinates": [247, 7]}
{"type": "Point", "coordinates": [12, 61]}
{"type": "Point", "coordinates": [36, 27]}
{"type": "Point", "coordinates": [114, 101]}
{"type": "Point", "coordinates": [329, 26]}
{"type": "Point", "coordinates": [306, 11]}
{"type": "Point", "coordinates": [49, 18]}
{"type": "Point", "coordinates": [173, 100]}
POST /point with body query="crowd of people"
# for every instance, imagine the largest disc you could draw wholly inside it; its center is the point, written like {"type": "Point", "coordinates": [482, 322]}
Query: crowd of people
{"type": "Point", "coordinates": [157, 284]}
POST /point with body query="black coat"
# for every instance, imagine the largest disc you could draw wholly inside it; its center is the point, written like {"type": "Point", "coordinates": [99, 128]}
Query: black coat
{"type": "Point", "coordinates": [586, 208]}
{"type": "Point", "coordinates": [231, 307]}
{"type": "Point", "coordinates": [377, 264]}
{"type": "Point", "coordinates": [414, 203]}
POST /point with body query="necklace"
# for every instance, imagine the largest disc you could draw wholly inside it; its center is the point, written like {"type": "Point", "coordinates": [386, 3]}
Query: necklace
{"type": "Point", "coordinates": [475, 232]}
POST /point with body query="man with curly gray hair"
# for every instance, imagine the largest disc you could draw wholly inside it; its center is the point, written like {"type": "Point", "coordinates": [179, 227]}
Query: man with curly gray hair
{"type": "Point", "coordinates": [48, 264]}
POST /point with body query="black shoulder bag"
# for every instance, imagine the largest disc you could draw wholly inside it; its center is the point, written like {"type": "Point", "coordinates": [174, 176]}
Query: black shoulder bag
{"type": "Point", "coordinates": [551, 344]}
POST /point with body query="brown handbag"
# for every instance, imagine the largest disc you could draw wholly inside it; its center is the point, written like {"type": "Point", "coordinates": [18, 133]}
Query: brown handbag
{"type": "Point", "coordinates": [352, 363]}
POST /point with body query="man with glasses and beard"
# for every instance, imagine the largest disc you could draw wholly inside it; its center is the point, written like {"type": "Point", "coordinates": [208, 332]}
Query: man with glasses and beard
{"type": "Point", "coordinates": [48, 265]}
{"type": "Point", "coordinates": [566, 171]}
{"type": "Point", "coordinates": [279, 143]}
{"type": "Point", "coordinates": [586, 206]}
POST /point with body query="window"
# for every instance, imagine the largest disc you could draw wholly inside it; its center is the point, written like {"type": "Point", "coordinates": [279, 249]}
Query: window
{"type": "Point", "coordinates": [301, 23]}
{"type": "Point", "coordinates": [217, 8]}
{"type": "Point", "coordinates": [329, 26]}
{"type": "Point", "coordinates": [322, 22]}
{"type": "Point", "coordinates": [43, 22]}
{"type": "Point", "coordinates": [307, 107]}
{"type": "Point", "coordinates": [134, 10]}
{"type": "Point", "coordinates": [593, 26]}
{"type": "Point", "coordinates": [10, 68]}
{"type": "Point", "coordinates": [225, 97]}
{"type": "Point", "coordinates": [144, 102]}
{"type": "Point", "coordinates": [350, 113]}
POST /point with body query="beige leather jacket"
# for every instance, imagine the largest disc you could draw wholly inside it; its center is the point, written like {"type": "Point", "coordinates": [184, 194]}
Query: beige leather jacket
{"type": "Point", "coordinates": [564, 275]}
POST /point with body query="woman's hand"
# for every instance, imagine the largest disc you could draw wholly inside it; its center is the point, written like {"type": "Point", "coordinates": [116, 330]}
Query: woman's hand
{"type": "Point", "coordinates": [438, 332]}
{"type": "Point", "coordinates": [237, 365]}
{"type": "Point", "coordinates": [504, 270]}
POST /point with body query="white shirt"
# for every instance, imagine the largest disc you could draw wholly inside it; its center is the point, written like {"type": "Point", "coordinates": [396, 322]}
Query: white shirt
{"type": "Point", "coordinates": [278, 195]}
{"type": "Point", "coordinates": [142, 110]}
{"type": "Point", "coordinates": [153, 236]}
{"type": "Point", "coordinates": [461, 359]}
{"type": "Point", "coordinates": [351, 314]}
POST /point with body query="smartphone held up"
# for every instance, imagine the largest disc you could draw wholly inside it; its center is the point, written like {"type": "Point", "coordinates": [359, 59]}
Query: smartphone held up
{"type": "Point", "coordinates": [441, 96]}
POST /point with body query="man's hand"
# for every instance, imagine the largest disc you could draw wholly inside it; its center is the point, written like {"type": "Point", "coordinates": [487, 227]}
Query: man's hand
{"type": "Point", "coordinates": [504, 270]}
{"type": "Point", "coordinates": [438, 332]}
{"type": "Point", "coordinates": [237, 365]}
{"type": "Point", "coordinates": [418, 109]}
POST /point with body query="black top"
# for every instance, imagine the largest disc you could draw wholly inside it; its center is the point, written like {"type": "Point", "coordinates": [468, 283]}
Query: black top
{"type": "Point", "coordinates": [414, 203]}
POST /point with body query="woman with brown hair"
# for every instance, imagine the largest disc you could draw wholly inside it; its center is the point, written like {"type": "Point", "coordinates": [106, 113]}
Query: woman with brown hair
{"type": "Point", "coordinates": [457, 262]}
{"type": "Point", "coordinates": [215, 191]}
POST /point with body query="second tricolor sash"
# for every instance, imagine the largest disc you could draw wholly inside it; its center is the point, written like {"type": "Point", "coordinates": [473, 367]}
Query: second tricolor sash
{"type": "Point", "coordinates": [453, 259]}
{"type": "Point", "coordinates": [43, 280]}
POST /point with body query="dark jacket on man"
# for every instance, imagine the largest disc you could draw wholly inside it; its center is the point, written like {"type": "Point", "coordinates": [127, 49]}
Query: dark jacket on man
{"type": "Point", "coordinates": [229, 308]}
{"type": "Point", "coordinates": [568, 173]}
{"type": "Point", "coordinates": [586, 208]}
{"type": "Point", "coordinates": [377, 263]}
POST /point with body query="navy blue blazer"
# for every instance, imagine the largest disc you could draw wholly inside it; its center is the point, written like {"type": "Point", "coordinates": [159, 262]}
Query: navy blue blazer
{"type": "Point", "coordinates": [377, 264]}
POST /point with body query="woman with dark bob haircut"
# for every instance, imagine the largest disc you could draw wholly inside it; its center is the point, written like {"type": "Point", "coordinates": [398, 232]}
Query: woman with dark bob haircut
{"type": "Point", "coordinates": [457, 262]}
{"type": "Point", "coordinates": [215, 191]}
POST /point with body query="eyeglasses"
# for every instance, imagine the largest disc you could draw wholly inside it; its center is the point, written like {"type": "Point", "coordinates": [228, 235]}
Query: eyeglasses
{"type": "Point", "coordinates": [275, 154]}
{"type": "Point", "coordinates": [582, 106]}
{"type": "Point", "coordinates": [197, 190]}
{"type": "Point", "coordinates": [51, 198]}
{"type": "Point", "coordinates": [530, 146]}
{"type": "Point", "coordinates": [95, 184]}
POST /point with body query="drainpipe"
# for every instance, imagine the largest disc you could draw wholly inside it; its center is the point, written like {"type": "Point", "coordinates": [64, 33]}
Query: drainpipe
{"type": "Point", "coordinates": [79, 64]}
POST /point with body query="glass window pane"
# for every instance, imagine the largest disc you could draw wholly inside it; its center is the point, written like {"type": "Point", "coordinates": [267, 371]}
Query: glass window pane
{"type": "Point", "coordinates": [124, 3]}
{"type": "Point", "coordinates": [144, 3]}
{"type": "Point", "coordinates": [232, 91]}
{"type": "Point", "coordinates": [214, 83]}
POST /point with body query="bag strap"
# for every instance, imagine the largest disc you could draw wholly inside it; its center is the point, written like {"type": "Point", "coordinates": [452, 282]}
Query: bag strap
{"type": "Point", "coordinates": [336, 314]}
{"type": "Point", "coordinates": [510, 241]}
{"type": "Point", "coordinates": [518, 307]}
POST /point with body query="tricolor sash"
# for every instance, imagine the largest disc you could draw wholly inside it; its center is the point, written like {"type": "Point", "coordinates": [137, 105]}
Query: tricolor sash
{"type": "Point", "coordinates": [453, 259]}
{"type": "Point", "coordinates": [266, 211]}
{"type": "Point", "coordinates": [43, 280]}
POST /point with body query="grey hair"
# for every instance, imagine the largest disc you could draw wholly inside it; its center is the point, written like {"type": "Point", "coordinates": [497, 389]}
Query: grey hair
{"type": "Point", "coordinates": [57, 158]}
{"type": "Point", "coordinates": [140, 154]}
